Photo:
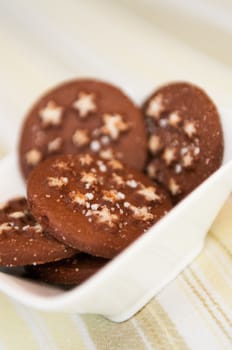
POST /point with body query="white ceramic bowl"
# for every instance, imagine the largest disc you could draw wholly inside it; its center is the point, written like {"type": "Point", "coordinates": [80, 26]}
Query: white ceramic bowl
{"type": "Point", "coordinates": [127, 283]}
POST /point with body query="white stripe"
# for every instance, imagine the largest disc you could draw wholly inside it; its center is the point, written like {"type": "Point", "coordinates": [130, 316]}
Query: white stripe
{"type": "Point", "coordinates": [83, 331]}
{"type": "Point", "coordinates": [141, 334]}
{"type": "Point", "coordinates": [37, 327]}
{"type": "Point", "coordinates": [184, 315]}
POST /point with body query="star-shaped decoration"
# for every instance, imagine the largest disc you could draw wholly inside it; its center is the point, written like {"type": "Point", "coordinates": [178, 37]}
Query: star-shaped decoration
{"type": "Point", "coordinates": [190, 129]}
{"type": "Point", "coordinates": [169, 155]}
{"type": "Point", "coordinates": [187, 160]}
{"type": "Point", "coordinates": [152, 171]}
{"type": "Point", "coordinates": [81, 138]}
{"type": "Point", "coordinates": [51, 114]}
{"type": "Point", "coordinates": [149, 194]}
{"type": "Point", "coordinates": [89, 178]}
{"type": "Point", "coordinates": [155, 107]}
{"type": "Point", "coordinates": [105, 216]}
{"type": "Point", "coordinates": [85, 104]}
{"type": "Point", "coordinates": [55, 145]}
{"type": "Point", "coordinates": [174, 119]}
{"type": "Point", "coordinates": [77, 197]}
{"type": "Point", "coordinates": [141, 213]}
{"type": "Point", "coordinates": [6, 226]}
{"type": "Point", "coordinates": [57, 181]}
{"type": "Point", "coordinates": [33, 157]}
{"type": "Point", "coordinates": [86, 159]}
{"type": "Point", "coordinates": [113, 125]}
{"type": "Point", "coordinates": [154, 144]}
{"type": "Point", "coordinates": [174, 187]}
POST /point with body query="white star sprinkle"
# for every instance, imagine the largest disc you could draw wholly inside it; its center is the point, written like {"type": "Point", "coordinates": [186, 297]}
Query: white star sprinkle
{"type": "Point", "coordinates": [51, 114]}
{"type": "Point", "coordinates": [17, 215]}
{"type": "Point", "coordinates": [174, 187]}
{"type": "Point", "coordinates": [190, 129]}
{"type": "Point", "coordinates": [174, 119]}
{"type": "Point", "coordinates": [104, 216]}
{"type": "Point", "coordinates": [154, 144]}
{"type": "Point", "coordinates": [155, 107]}
{"type": "Point", "coordinates": [169, 155]}
{"type": "Point", "coordinates": [113, 125]}
{"type": "Point", "coordinates": [149, 193]}
{"type": "Point", "coordinates": [33, 157]}
{"type": "Point", "coordinates": [187, 160]}
{"type": "Point", "coordinates": [80, 138]}
{"type": "Point", "coordinates": [57, 181]}
{"type": "Point", "coordinates": [85, 104]}
{"type": "Point", "coordinates": [6, 226]}
{"type": "Point", "coordinates": [54, 145]}
{"type": "Point", "coordinates": [141, 213]}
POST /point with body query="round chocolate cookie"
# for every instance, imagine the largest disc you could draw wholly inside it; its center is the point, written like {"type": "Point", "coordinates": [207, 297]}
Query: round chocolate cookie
{"type": "Point", "coordinates": [22, 240]}
{"type": "Point", "coordinates": [67, 272]}
{"type": "Point", "coordinates": [185, 139]}
{"type": "Point", "coordinates": [96, 206]}
{"type": "Point", "coordinates": [83, 116]}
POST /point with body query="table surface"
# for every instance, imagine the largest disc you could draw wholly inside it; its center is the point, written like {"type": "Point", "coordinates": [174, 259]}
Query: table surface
{"type": "Point", "coordinates": [138, 45]}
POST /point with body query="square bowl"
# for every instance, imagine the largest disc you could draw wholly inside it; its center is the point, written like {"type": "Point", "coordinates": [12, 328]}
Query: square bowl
{"type": "Point", "coordinates": [136, 275]}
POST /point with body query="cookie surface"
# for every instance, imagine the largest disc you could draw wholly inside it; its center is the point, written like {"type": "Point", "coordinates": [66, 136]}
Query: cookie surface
{"type": "Point", "coordinates": [185, 137]}
{"type": "Point", "coordinates": [22, 240]}
{"type": "Point", "coordinates": [80, 116]}
{"type": "Point", "coordinates": [96, 206]}
{"type": "Point", "coordinates": [72, 271]}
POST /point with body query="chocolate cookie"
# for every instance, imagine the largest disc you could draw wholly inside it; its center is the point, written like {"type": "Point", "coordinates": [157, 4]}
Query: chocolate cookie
{"type": "Point", "coordinates": [22, 240]}
{"type": "Point", "coordinates": [185, 137]}
{"type": "Point", "coordinates": [96, 206]}
{"type": "Point", "coordinates": [83, 116]}
{"type": "Point", "coordinates": [67, 272]}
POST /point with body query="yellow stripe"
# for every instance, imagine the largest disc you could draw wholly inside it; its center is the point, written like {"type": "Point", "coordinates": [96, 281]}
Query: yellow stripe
{"type": "Point", "coordinates": [227, 248]}
{"type": "Point", "coordinates": [211, 298]}
{"type": "Point", "coordinates": [159, 328]}
{"type": "Point", "coordinates": [108, 335]}
{"type": "Point", "coordinates": [206, 306]}
{"type": "Point", "coordinates": [220, 255]}
{"type": "Point", "coordinates": [63, 331]}
{"type": "Point", "coordinates": [211, 271]}
{"type": "Point", "coordinates": [14, 331]}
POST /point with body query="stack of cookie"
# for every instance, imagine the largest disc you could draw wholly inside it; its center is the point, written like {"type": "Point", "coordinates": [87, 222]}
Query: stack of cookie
{"type": "Point", "coordinates": [100, 171]}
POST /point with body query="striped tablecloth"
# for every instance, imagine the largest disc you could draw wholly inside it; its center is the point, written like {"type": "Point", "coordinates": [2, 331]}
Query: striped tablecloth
{"type": "Point", "coordinates": [44, 42]}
